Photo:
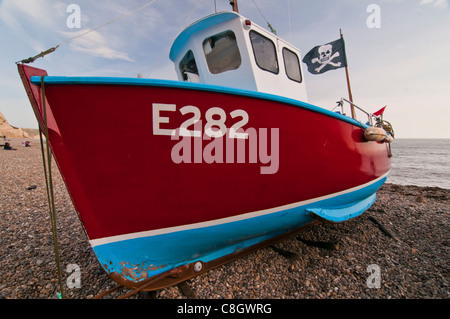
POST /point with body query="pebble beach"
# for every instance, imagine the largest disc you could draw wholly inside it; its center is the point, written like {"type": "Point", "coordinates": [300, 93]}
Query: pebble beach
{"type": "Point", "coordinates": [412, 257]}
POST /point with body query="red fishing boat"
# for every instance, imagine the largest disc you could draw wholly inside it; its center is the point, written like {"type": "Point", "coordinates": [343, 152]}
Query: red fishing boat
{"type": "Point", "coordinates": [172, 178]}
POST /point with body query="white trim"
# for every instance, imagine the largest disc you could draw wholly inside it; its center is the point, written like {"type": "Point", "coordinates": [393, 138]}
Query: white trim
{"type": "Point", "coordinates": [149, 233]}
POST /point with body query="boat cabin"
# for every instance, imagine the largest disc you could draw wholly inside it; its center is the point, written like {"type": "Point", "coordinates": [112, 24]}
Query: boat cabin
{"type": "Point", "coordinates": [229, 50]}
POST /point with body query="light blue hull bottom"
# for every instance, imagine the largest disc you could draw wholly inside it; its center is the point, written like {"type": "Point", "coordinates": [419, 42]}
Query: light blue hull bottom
{"type": "Point", "coordinates": [137, 257]}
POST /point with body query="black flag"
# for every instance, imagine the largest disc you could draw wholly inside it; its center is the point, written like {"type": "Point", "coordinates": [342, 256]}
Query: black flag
{"type": "Point", "coordinates": [323, 58]}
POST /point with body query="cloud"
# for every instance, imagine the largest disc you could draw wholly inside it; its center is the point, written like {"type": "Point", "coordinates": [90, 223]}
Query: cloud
{"type": "Point", "coordinates": [18, 14]}
{"type": "Point", "coordinates": [96, 44]}
{"type": "Point", "coordinates": [33, 22]}
{"type": "Point", "coordinates": [435, 3]}
{"type": "Point", "coordinates": [48, 19]}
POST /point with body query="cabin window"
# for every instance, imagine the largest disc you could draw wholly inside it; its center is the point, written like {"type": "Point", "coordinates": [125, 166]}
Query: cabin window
{"type": "Point", "coordinates": [292, 65]}
{"type": "Point", "coordinates": [264, 51]}
{"type": "Point", "coordinates": [188, 68]}
{"type": "Point", "coordinates": [221, 52]}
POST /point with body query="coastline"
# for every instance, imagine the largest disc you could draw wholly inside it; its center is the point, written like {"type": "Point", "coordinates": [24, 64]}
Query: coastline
{"type": "Point", "coordinates": [415, 266]}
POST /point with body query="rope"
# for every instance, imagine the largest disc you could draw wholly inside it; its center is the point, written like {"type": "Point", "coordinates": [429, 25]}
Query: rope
{"type": "Point", "coordinates": [49, 186]}
{"type": "Point", "coordinates": [268, 24]}
{"type": "Point", "coordinates": [40, 55]}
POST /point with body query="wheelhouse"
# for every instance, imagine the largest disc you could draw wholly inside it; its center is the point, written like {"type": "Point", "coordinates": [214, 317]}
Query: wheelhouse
{"type": "Point", "coordinates": [227, 49]}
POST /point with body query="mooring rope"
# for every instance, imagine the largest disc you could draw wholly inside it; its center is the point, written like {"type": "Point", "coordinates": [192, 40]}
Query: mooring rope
{"type": "Point", "coordinates": [49, 187]}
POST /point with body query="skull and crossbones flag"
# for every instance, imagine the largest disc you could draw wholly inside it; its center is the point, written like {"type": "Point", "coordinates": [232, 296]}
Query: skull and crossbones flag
{"type": "Point", "coordinates": [323, 58]}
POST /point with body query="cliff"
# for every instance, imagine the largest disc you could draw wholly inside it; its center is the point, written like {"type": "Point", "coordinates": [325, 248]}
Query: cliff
{"type": "Point", "coordinates": [10, 131]}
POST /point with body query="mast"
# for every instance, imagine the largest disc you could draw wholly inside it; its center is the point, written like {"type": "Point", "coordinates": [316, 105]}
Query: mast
{"type": "Point", "coordinates": [350, 97]}
{"type": "Point", "coordinates": [234, 5]}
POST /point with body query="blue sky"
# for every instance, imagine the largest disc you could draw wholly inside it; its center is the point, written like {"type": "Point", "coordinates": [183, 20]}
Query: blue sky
{"type": "Point", "coordinates": [405, 63]}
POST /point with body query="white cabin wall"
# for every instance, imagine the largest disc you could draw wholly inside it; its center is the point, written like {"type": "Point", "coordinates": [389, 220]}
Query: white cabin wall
{"type": "Point", "coordinates": [249, 76]}
{"type": "Point", "coordinates": [278, 84]}
{"type": "Point", "coordinates": [241, 78]}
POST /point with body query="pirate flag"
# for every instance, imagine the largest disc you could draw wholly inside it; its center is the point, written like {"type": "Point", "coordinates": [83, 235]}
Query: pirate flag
{"type": "Point", "coordinates": [323, 58]}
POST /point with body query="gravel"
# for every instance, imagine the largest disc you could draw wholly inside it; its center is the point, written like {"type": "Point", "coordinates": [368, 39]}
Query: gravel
{"type": "Point", "coordinates": [413, 266]}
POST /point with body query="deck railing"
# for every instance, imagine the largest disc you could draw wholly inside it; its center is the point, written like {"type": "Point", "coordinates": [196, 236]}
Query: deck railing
{"type": "Point", "coordinates": [340, 104]}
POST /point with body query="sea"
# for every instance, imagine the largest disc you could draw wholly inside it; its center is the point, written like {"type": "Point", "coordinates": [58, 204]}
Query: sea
{"type": "Point", "coordinates": [420, 162]}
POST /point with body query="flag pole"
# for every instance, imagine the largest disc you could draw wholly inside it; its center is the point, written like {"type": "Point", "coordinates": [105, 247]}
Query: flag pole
{"type": "Point", "coordinates": [234, 5]}
{"type": "Point", "coordinates": [352, 108]}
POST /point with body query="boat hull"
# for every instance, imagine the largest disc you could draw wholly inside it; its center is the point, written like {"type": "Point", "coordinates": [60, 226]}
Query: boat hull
{"type": "Point", "coordinates": [153, 199]}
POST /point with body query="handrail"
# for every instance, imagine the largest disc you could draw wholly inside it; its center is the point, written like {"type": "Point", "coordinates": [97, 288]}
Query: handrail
{"type": "Point", "coordinates": [369, 115]}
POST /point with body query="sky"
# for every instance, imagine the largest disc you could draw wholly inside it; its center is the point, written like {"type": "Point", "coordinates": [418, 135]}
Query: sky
{"type": "Point", "coordinates": [398, 51]}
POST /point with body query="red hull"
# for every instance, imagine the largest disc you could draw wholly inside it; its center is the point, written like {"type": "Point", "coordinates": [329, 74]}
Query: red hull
{"type": "Point", "coordinates": [123, 180]}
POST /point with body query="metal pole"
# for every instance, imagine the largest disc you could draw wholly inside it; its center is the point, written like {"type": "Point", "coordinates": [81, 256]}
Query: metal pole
{"type": "Point", "coordinates": [234, 5]}
{"type": "Point", "coordinates": [352, 108]}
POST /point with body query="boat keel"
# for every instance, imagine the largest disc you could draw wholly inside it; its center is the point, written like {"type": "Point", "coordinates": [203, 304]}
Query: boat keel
{"type": "Point", "coordinates": [341, 214]}
{"type": "Point", "coordinates": [188, 271]}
